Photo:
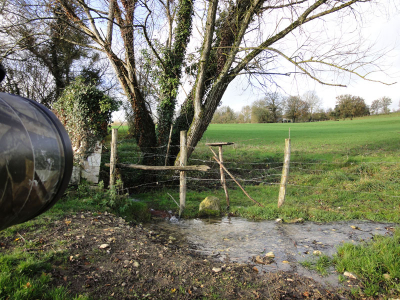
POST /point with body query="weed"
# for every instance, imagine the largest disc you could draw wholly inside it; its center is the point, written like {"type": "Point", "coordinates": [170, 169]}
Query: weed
{"type": "Point", "coordinates": [321, 265]}
{"type": "Point", "coordinates": [376, 264]}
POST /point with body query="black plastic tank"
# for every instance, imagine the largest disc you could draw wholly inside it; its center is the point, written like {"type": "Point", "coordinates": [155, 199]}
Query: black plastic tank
{"type": "Point", "coordinates": [35, 159]}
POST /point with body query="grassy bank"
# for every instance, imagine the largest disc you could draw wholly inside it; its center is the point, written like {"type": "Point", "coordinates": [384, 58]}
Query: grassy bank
{"type": "Point", "coordinates": [375, 264]}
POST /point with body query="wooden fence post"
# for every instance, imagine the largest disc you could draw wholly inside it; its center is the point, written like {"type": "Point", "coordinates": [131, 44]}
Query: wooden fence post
{"type": "Point", "coordinates": [285, 173]}
{"type": "Point", "coordinates": [183, 162]}
{"type": "Point", "coordinates": [223, 182]}
{"type": "Point", "coordinates": [169, 143]}
{"type": "Point", "coordinates": [113, 157]}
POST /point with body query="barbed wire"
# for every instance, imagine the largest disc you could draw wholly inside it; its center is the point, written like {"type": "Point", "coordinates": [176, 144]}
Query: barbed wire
{"type": "Point", "coordinates": [266, 171]}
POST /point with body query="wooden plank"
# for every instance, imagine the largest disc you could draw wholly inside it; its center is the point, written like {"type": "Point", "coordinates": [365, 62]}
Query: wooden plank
{"type": "Point", "coordinates": [202, 168]}
{"type": "Point", "coordinates": [285, 174]}
{"type": "Point", "coordinates": [219, 144]}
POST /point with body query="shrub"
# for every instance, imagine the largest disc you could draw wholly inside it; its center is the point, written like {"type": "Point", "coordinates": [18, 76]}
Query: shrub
{"type": "Point", "coordinates": [85, 112]}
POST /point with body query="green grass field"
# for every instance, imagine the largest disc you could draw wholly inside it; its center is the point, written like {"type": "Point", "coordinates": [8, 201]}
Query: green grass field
{"type": "Point", "coordinates": [365, 138]}
{"type": "Point", "coordinates": [339, 170]}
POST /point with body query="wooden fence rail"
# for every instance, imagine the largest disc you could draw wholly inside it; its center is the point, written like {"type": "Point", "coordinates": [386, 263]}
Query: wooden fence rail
{"type": "Point", "coordinates": [182, 168]}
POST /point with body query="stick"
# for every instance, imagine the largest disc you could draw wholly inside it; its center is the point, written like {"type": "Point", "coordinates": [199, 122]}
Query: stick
{"type": "Point", "coordinates": [216, 159]}
{"type": "Point", "coordinates": [202, 168]}
{"type": "Point", "coordinates": [173, 199]}
{"type": "Point", "coordinates": [21, 237]}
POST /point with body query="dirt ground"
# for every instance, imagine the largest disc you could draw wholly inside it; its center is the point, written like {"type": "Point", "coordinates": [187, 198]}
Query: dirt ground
{"type": "Point", "coordinates": [104, 257]}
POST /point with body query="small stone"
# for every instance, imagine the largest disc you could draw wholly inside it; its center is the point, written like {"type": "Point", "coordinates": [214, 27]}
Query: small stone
{"type": "Point", "coordinates": [270, 254]}
{"type": "Point", "coordinates": [123, 284]}
{"type": "Point", "coordinates": [263, 260]}
{"type": "Point", "coordinates": [317, 252]}
{"type": "Point", "coordinates": [350, 275]}
{"type": "Point", "coordinates": [278, 221]}
{"type": "Point", "coordinates": [136, 264]}
{"type": "Point", "coordinates": [216, 270]}
{"type": "Point", "coordinates": [104, 246]}
{"type": "Point", "coordinates": [82, 217]}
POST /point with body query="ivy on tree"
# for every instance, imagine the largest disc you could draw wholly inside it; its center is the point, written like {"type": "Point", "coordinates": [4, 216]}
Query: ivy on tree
{"type": "Point", "coordinates": [85, 112]}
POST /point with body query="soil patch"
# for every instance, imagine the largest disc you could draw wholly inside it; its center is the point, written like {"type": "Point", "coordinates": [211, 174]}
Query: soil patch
{"type": "Point", "coordinates": [104, 257]}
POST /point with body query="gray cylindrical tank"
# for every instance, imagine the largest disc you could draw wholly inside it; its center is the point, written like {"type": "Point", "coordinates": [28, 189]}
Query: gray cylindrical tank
{"type": "Point", "coordinates": [35, 159]}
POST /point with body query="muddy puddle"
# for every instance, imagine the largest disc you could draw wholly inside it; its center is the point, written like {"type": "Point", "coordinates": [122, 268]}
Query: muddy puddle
{"type": "Point", "coordinates": [240, 240]}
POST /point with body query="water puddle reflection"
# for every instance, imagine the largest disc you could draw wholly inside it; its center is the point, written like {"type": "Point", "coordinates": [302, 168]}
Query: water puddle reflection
{"type": "Point", "coordinates": [239, 240]}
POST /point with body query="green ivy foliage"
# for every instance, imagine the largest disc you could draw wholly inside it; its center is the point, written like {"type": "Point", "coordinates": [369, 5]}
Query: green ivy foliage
{"type": "Point", "coordinates": [85, 112]}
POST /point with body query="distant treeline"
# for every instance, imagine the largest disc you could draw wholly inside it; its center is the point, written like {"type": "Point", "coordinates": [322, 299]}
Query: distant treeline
{"type": "Point", "coordinates": [275, 108]}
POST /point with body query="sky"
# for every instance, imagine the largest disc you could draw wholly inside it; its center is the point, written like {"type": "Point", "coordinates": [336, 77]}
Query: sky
{"type": "Point", "coordinates": [384, 31]}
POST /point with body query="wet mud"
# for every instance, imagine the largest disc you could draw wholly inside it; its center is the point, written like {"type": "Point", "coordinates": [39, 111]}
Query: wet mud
{"type": "Point", "coordinates": [233, 239]}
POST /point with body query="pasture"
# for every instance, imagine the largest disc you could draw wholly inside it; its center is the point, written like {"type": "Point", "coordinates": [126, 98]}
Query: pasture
{"type": "Point", "coordinates": [340, 170]}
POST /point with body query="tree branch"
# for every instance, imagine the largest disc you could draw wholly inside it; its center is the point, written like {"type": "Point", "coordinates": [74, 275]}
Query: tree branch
{"type": "Point", "coordinates": [205, 54]}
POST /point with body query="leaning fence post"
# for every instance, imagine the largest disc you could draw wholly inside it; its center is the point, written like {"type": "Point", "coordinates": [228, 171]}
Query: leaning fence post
{"type": "Point", "coordinates": [285, 174]}
{"type": "Point", "coordinates": [113, 156]}
{"type": "Point", "coordinates": [183, 162]}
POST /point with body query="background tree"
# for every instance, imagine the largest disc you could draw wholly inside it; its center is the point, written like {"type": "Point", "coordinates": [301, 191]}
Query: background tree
{"type": "Point", "coordinates": [274, 103]}
{"type": "Point", "coordinates": [385, 103]}
{"type": "Point", "coordinates": [320, 115]}
{"type": "Point", "coordinates": [39, 62]}
{"type": "Point", "coordinates": [348, 106]}
{"type": "Point", "coordinates": [224, 115]}
{"type": "Point", "coordinates": [313, 102]}
{"type": "Point", "coordinates": [296, 109]}
{"type": "Point", "coordinates": [244, 115]}
{"type": "Point", "coordinates": [376, 106]}
{"type": "Point", "coordinates": [260, 112]}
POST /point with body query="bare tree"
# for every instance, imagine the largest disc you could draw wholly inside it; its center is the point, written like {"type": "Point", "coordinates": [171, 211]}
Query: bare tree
{"type": "Point", "coordinates": [245, 114]}
{"type": "Point", "coordinates": [385, 103]}
{"type": "Point", "coordinates": [40, 63]}
{"type": "Point", "coordinates": [376, 106]}
{"type": "Point", "coordinates": [296, 109]}
{"type": "Point", "coordinates": [232, 39]}
{"type": "Point", "coordinates": [224, 115]}
{"type": "Point", "coordinates": [313, 101]}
